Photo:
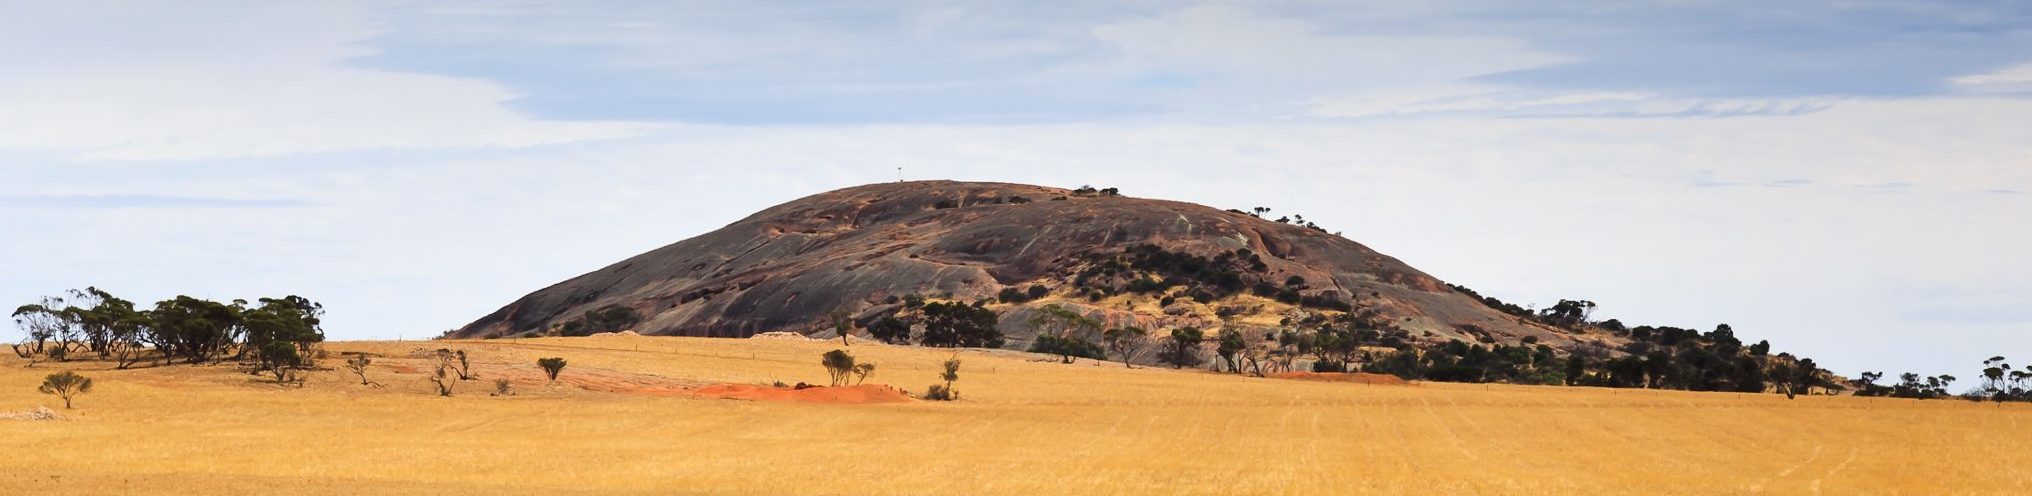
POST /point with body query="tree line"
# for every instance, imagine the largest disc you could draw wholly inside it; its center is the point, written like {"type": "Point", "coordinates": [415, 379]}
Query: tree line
{"type": "Point", "coordinates": [273, 333]}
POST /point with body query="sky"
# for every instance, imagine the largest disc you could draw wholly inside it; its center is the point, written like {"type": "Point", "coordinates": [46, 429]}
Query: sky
{"type": "Point", "coordinates": [1851, 180]}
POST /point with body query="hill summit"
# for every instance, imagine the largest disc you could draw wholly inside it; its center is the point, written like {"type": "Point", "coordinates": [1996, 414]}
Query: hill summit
{"type": "Point", "coordinates": [869, 251]}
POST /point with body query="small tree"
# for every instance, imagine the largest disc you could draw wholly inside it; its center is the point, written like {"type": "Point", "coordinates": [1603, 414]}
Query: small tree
{"type": "Point", "coordinates": [1183, 348]}
{"type": "Point", "coordinates": [281, 359]}
{"type": "Point", "coordinates": [358, 364]}
{"type": "Point", "coordinates": [66, 385]}
{"type": "Point", "coordinates": [946, 392]}
{"type": "Point", "coordinates": [1230, 343]}
{"type": "Point", "coordinates": [839, 364]}
{"type": "Point", "coordinates": [551, 366]}
{"type": "Point", "coordinates": [861, 371]}
{"type": "Point", "coordinates": [1126, 343]}
{"type": "Point", "coordinates": [502, 387]}
{"type": "Point", "coordinates": [444, 376]}
{"type": "Point", "coordinates": [465, 367]}
{"type": "Point", "coordinates": [843, 323]}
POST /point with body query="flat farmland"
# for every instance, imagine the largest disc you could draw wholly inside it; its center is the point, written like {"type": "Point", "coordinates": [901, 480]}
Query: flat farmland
{"type": "Point", "coordinates": [626, 417]}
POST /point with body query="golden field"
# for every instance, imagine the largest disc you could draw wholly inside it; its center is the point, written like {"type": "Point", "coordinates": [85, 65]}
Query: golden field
{"type": "Point", "coordinates": [1021, 427]}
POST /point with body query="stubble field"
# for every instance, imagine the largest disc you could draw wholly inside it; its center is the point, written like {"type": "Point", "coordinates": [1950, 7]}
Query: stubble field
{"type": "Point", "coordinates": [624, 420]}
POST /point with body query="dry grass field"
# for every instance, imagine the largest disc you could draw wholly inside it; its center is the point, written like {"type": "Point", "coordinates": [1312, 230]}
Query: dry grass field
{"type": "Point", "coordinates": [622, 423]}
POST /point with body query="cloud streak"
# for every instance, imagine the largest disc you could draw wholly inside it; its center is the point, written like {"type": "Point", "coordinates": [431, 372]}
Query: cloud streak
{"type": "Point", "coordinates": [142, 201]}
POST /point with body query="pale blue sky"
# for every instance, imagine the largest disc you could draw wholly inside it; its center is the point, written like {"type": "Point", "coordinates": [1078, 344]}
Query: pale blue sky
{"type": "Point", "coordinates": [1846, 179]}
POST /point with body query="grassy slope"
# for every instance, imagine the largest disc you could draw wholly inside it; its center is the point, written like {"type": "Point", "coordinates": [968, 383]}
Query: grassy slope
{"type": "Point", "coordinates": [1024, 428]}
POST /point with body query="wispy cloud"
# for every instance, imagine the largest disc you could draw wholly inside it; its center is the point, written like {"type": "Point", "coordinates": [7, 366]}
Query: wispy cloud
{"type": "Point", "coordinates": [758, 63]}
{"type": "Point", "coordinates": [142, 201]}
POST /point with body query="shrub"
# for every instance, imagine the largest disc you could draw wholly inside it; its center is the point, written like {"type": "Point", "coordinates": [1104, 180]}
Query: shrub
{"type": "Point", "coordinates": [66, 385]}
{"type": "Point", "coordinates": [1012, 295]}
{"type": "Point", "coordinates": [1037, 291]}
{"type": "Point", "coordinates": [503, 388]}
{"type": "Point", "coordinates": [551, 366]}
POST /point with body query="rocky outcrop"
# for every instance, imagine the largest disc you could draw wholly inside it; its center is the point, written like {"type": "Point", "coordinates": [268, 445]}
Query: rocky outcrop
{"type": "Point", "coordinates": [863, 248]}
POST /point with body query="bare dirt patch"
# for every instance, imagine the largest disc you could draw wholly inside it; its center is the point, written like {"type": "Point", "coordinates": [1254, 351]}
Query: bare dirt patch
{"type": "Point", "coordinates": [1354, 377]}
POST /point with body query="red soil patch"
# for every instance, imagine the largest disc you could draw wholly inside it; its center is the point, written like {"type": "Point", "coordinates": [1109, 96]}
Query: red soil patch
{"type": "Point", "coordinates": [1354, 377]}
{"type": "Point", "coordinates": [842, 395]}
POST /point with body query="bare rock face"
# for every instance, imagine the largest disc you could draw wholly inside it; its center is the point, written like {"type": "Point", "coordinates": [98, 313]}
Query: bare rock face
{"type": "Point", "coordinates": [860, 249]}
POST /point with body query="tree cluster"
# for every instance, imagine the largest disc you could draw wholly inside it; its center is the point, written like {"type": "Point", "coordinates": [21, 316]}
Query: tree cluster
{"type": "Point", "coordinates": [276, 335]}
{"type": "Point", "coordinates": [1909, 385]}
{"type": "Point", "coordinates": [1067, 333]}
{"type": "Point", "coordinates": [1150, 269]}
{"type": "Point", "coordinates": [844, 368]}
{"type": "Point", "coordinates": [610, 318]}
{"type": "Point", "coordinates": [945, 324]}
